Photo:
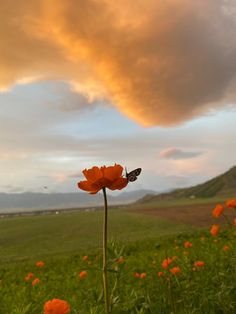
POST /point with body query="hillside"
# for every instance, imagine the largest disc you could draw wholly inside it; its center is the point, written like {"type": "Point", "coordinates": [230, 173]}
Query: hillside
{"type": "Point", "coordinates": [224, 184]}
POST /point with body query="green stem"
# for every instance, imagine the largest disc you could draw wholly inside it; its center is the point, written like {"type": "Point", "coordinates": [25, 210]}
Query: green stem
{"type": "Point", "coordinates": [104, 268]}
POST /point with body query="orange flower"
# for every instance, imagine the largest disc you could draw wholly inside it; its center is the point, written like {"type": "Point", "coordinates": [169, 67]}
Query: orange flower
{"type": "Point", "coordinates": [215, 230]}
{"type": "Point", "coordinates": [103, 177]}
{"type": "Point", "coordinates": [35, 281]}
{"type": "Point", "coordinates": [166, 262]}
{"type": "Point", "coordinates": [83, 274]}
{"type": "Point", "coordinates": [85, 258]}
{"type": "Point", "coordinates": [143, 275]}
{"type": "Point", "coordinates": [29, 276]}
{"type": "Point", "coordinates": [136, 275]}
{"type": "Point", "coordinates": [40, 264]}
{"type": "Point", "coordinates": [218, 210]}
{"type": "Point", "coordinates": [199, 264]}
{"type": "Point", "coordinates": [160, 274]}
{"type": "Point", "coordinates": [120, 260]}
{"type": "Point", "coordinates": [175, 270]}
{"type": "Point", "coordinates": [226, 248]}
{"type": "Point", "coordinates": [231, 203]}
{"type": "Point", "coordinates": [187, 244]}
{"type": "Point", "coordinates": [56, 306]}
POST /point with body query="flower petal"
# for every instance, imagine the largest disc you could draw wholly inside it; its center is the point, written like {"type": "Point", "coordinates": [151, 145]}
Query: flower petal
{"type": "Point", "coordinates": [89, 187]}
{"type": "Point", "coordinates": [113, 172]}
{"type": "Point", "coordinates": [118, 184]}
{"type": "Point", "coordinates": [93, 174]}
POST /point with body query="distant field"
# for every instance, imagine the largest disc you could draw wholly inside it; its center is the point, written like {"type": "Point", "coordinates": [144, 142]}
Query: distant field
{"type": "Point", "coordinates": [38, 236]}
{"type": "Point", "coordinates": [186, 201]}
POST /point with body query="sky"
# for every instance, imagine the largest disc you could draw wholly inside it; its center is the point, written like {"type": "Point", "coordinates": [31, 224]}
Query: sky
{"type": "Point", "coordinates": [146, 83]}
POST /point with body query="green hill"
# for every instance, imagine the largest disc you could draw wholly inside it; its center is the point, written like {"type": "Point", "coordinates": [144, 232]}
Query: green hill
{"type": "Point", "coordinates": [222, 185]}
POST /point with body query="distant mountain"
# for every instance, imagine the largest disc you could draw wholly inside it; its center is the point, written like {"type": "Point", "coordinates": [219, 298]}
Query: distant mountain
{"type": "Point", "coordinates": [129, 197]}
{"type": "Point", "coordinates": [40, 201]}
{"type": "Point", "coordinates": [224, 184]}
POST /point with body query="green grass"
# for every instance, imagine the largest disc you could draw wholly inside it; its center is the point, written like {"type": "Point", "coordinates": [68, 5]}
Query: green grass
{"type": "Point", "coordinates": [144, 242]}
{"type": "Point", "coordinates": [209, 289]}
{"type": "Point", "coordinates": [39, 236]}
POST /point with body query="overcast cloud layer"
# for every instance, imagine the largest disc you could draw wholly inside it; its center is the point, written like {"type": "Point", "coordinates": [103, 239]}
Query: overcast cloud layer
{"type": "Point", "coordinates": [159, 62]}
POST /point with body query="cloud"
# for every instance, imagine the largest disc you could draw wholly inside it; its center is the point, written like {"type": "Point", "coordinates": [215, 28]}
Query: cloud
{"type": "Point", "coordinates": [175, 153]}
{"type": "Point", "coordinates": [159, 62]}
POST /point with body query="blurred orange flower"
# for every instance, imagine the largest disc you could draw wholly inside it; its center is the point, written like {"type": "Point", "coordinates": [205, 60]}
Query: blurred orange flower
{"type": "Point", "coordinates": [215, 230]}
{"type": "Point", "coordinates": [40, 264]}
{"type": "Point", "coordinates": [35, 281]}
{"type": "Point", "coordinates": [143, 275]}
{"type": "Point", "coordinates": [226, 248]}
{"type": "Point", "coordinates": [160, 274]}
{"type": "Point", "coordinates": [120, 260]}
{"type": "Point", "coordinates": [166, 262]}
{"type": "Point", "coordinates": [85, 258]}
{"type": "Point", "coordinates": [103, 177]}
{"type": "Point", "coordinates": [56, 306]}
{"type": "Point", "coordinates": [83, 274]}
{"type": "Point", "coordinates": [188, 244]}
{"type": "Point", "coordinates": [175, 270]}
{"type": "Point", "coordinates": [218, 210]}
{"type": "Point", "coordinates": [199, 264]}
{"type": "Point", "coordinates": [231, 203]}
{"type": "Point", "coordinates": [136, 275]}
{"type": "Point", "coordinates": [29, 276]}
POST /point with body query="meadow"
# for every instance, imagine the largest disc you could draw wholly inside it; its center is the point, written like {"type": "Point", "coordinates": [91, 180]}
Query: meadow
{"type": "Point", "coordinates": [155, 265]}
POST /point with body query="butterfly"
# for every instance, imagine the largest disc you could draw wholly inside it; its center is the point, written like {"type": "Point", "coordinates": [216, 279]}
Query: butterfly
{"type": "Point", "coordinates": [132, 175]}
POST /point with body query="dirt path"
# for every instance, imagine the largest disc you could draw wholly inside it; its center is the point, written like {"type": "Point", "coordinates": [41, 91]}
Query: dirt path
{"type": "Point", "coordinates": [195, 215]}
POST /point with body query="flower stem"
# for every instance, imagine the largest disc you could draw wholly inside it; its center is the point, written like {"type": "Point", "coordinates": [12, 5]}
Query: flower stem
{"type": "Point", "coordinates": [104, 268]}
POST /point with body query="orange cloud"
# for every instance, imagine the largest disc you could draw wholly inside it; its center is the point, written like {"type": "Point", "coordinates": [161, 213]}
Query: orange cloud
{"type": "Point", "coordinates": [158, 62]}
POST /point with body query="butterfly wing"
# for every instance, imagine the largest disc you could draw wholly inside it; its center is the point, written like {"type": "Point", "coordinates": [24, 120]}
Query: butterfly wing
{"type": "Point", "coordinates": [132, 176]}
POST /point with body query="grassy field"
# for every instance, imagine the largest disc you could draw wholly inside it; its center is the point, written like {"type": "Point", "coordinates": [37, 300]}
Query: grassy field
{"type": "Point", "coordinates": [139, 243]}
{"type": "Point", "coordinates": [39, 236]}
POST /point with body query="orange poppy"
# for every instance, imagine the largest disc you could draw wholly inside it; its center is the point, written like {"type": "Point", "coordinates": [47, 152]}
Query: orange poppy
{"type": "Point", "coordinates": [199, 264]}
{"type": "Point", "coordinates": [231, 203]}
{"type": "Point", "coordinates": [29, 276]}
{"type": "Point", "coordinates": [85, 258]}
{"type": "Point", "coordinates": [56, 306]}
{"type": "Point", "coordinates": [160, 274]}
{"type": "Point", "coordinates": [215, 230]}
{"type": "Point", "coordinates": [188, 244]}
{"type": "Point", "coordinates": [120, 260]}
{"type": "Point", "coordinates": [175, 270]}
{"type": "Point", "coordinates": [103, 177]}
{"type": "Point", "coordinates": [83, 274]}
{"type": "Point", "coordinates": [166, 262]}
{"type": "Point", "coordinates": [35, 281]}
{"type": "Point", "coordinates": [226, 248]}
{"type": "Point", "coordinates": [143, 275]}
{"type": "Point", "coordinates": [40, 264]}
{"type": "Point", "coordinates": [218, 210]}
{"type": "Point", "coordinates": [136, 275]}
